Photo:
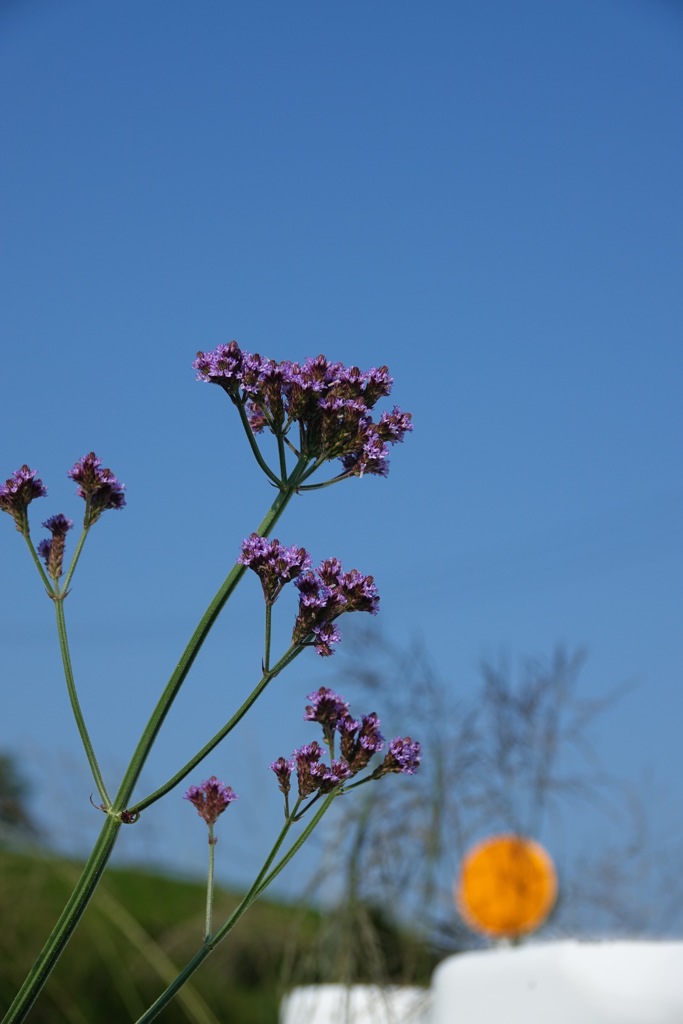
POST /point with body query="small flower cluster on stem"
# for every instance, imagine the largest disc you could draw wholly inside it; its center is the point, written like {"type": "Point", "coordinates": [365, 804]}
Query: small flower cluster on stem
{"type": "Point", "coordinates": [326, 594]}
{"type": "Point", "coordinates": [329, 402]}
{"type": "Point", "coordinates": [97, 486]}
{"type": "Point", "coordinates": [210, 798]}
{"type": "Point", "coordinates": [359, 741]}
{"type": "Point", "coordinates": [17, 493]}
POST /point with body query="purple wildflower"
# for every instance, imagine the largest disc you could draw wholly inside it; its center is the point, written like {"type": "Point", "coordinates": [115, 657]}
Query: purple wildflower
{"type": "Point", "coordinates": [326, 708]}
{"type": "Point", "coordinates": [306, 758]}
{"type": "Point", "coordinates": [52, 551]}
{"type": "Point", "coordinates": [327, 778]}
{"type": "Point", "coordinates": [17, 493]}
{"type": "Point", "coordinates": [360, 740]}
{"type": "Point", "coordinates": [97, 486]}
{"type": "Point", "coordinates": [210, 798]}
{"type": "Point", "coordinates": [323, 638]}
{"type": "Point", "coordinates": [324, 596]}
{"type": "Point", "coordinates": [404, 755]}
{"type": "Point", "coordinates": [283, 768]}
{"type": "Point", "coordinates": [331, 404]}
{"type": "Point", "coordinates": [273, 563]}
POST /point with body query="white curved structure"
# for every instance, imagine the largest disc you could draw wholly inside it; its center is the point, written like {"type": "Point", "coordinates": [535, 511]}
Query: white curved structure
{"type": "Point", "coordinates": [562, 983]}
{"type": "Point", "coordinates": [357, 1004]}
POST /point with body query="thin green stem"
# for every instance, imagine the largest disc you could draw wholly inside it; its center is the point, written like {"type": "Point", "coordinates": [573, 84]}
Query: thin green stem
{"type": "Point", "coordinates": [75, 703]}
{"type": "Point", "coordinates": [255, 448]}
{"type": "Point", "coordinates": [208, 924]}
{"type": "Point", "coordinates": [49, 584]}
{"type": "Point", "coordinates": [290, 654]}
{"type": "Point", "coordinates": [266, 644]}
{"type": "Point", "coordinates": [74, 560]}
{"type": "Point", "coordinates": [97, 861]}
{"type": "Point", "coordinates": [78, 901]}
{"type": "Point", "coordinates": [262, 881]}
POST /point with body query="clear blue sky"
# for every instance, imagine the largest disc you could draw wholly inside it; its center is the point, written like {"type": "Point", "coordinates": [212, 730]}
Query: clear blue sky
{"type": "Point", "coordinates": [484, 195]}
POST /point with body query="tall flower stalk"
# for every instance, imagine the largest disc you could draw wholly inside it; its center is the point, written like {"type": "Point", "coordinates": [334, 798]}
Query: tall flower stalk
{"type": "Point", "coordinates": [316, 412]}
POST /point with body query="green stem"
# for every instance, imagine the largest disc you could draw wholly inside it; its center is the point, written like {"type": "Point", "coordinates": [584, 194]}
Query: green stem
{"type": "Point", "coordinates": [255, 448]}
{"type": "Point", "coordinates": [286, 659]}
{"type": "Point", "coordinates": [262, 881]}
{"type": "Point", "coordinates": [266, 651]}
{"type": "Point", "coordinates": [74, 560]}
{"type": "Point", "coordinates": [208, 924]}
{"type": "Point", "coordinates": [78, 901]}
{"type": "Point", "coordinates": [75, 703]}
{"type": "Point", "coordinates": [49, 585]}
{"type": "Point", "coordinates": [97, 861]}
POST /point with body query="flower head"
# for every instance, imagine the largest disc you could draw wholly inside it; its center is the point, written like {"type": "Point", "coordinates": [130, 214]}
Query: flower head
{"type": "Point", "coordinates": [17, 493]}
{"type": "Point", "coordinates": [326, 707]}
{"type": "Point", "coordinates": [97, 486]}
{"type": "Point", "coordinates": [283, 768]}
{"type": "Point", "coordinates": [324, 596]}
{"type": "Point", "coordinates": [273, 563]}
{"type": "Point", "coordinates": [330, 403]}
{"type": "Point", "coordinates": [52, 551]}
{"type": "Point", "coordinates": [404, 755]}
{"type": "Point", "coordinates": [210, 798]}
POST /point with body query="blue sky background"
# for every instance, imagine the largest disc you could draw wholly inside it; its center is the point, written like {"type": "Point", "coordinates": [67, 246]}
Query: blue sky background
{"type": "Point", "coordinates": [484, 195]}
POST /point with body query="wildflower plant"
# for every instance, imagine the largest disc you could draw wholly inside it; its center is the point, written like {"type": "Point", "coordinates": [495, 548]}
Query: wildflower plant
{"type": "Point", "coordinates": [313, 413]}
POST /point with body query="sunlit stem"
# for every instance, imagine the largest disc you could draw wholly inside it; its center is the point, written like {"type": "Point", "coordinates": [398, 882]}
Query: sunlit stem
{"type": "Point", "coordinates": [290, 654]}
{"type": "Point", "coordinates": [266, 653]}
{"type": "Point", "coordinates": [49, 584]}
{"type": "Point", "coordinates": [94, 867]}
{"type": "Point", "coordinates": [264, 878]}
{"type": "Point", "coordinates": [209, 886]}
{"type": "Point", "coordinates": [255, 448]}
{"type": "Point", "coordinates": [75, 703]}
{"type": "Point", "coordinates": [74, 560]}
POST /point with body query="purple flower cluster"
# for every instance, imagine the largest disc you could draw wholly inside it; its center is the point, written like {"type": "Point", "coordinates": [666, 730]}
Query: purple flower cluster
{"type": "Point", "coordinates": [359, 741]}
{"type": "Point", "coordinates": [326, 594]}
{"type": "Point", "coordinates": [98, 486]}
{"type": "Point", "coordinates": [330, 402]}
{"type": "Point", "coordinates": [273, 563]}
{"type": "Point", "coordinates": [52, 551]}
{"type": "Point", "coordinates": [17, 493]}
{"type": "Point", "coordinates": [211, 798]}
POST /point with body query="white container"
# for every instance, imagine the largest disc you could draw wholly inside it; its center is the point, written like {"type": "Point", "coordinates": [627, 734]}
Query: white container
{"type": "Point", "coordinates": [562, 983]}
{"type": "Point", "coordinates": [355, 1004]}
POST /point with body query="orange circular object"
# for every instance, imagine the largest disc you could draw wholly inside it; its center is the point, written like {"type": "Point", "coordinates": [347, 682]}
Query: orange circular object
{"type": "Point", "coordinates": [507, 886]}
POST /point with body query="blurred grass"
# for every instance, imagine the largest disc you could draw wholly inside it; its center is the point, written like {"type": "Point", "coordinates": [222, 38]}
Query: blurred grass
{"type": "Point", "coordinates": [141, 928]}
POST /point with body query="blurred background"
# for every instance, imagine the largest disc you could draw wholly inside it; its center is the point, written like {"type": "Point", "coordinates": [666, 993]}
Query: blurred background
{"type": "Point", "coordinates": [484, 196]}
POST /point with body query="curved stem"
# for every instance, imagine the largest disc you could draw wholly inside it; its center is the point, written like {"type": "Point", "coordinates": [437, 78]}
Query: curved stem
{"type": "Point", "coordinates": [97, 861]}
{"type": "Point", "coordinates": [74, 560]}
{"type": "Point", "coordinates": [78, 901]}
{"type": "Point", "coordinates": [75, 703]}
{"type": "Point", "coordinates": [49, 585]}
{"type": "Point", "coordinates": [255, 448]}
{"type": "Point", "coordinates": [262, 881]}
{"type": "Point", "coordinates": [183, 772]}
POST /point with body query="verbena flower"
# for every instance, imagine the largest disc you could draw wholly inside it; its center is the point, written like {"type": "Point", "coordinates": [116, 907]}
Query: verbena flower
{"type": "Point", "coordinates": [326, 707]}
{"type": "Point", "coordinates": [330, 403]}
{"type": "Point", "coordinates": [273, 563]}
{"type": "Point", "coordinates": [404, 755]}
{"type": "Point", "coordinates": [360, 740]}
{"type": "Point", "coordinates": [283, 768]}
{"type": "Point", "coordinates": [52, 551]}
{"type": "Point", "coordinates": [17, 493]}
{"type": "Point", "coordinates": [97, 486]}
{"type": "Point", "coordinates": [210, 798]}
{"type": "Point", "coordinates": [326, 594]}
